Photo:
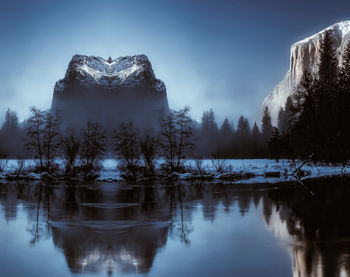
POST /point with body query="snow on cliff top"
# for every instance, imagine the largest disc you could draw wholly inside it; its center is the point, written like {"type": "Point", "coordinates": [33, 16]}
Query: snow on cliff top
{"type": "Point", "coordinates": [124, 71]}
{"type": "Point", "coordinates": [343, 27]}
{"type": "Point", "coordinates": [98, 67]}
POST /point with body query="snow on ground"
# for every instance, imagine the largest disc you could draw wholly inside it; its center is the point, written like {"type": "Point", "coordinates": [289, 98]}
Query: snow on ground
{"type": "Point", "coordinates": [250, 170]}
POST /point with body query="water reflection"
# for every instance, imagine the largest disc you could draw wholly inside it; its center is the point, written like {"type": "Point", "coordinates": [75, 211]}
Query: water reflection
{"type": "Point", "coordinates": [121, 228]}
{"type": "Point", "coordinates": [315, 220]}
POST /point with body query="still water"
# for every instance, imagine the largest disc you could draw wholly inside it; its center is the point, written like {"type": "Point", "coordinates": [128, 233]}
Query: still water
{"type": "Point", "coordinates": [197, 229]}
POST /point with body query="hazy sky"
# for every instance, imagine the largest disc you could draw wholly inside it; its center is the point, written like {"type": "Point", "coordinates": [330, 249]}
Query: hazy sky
{"type": "Point", "coordinates": [225, 55]}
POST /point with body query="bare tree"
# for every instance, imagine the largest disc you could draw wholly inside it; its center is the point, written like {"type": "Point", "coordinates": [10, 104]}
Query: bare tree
{"type": "Point", "coordinates": [184, 126]}
{"type": "Point", "coordinates": [176, 132]}
{"type": "Point", "coordinates": [149, 145]}
{"type": "Point", "coordinates": [169, 141]}
{"type": "Point", "coordinates": [70, 149]}
{"type": "Point", "coordinates": [127, 148]}
{"type": "Point", "coordinates": [50, 139]}
{"type": "Point", "coordinates": [42, 134]}
{"type": "Point", "coordinates": [34, 133]}
{"type": "Point", "coordinates": [92, 147]}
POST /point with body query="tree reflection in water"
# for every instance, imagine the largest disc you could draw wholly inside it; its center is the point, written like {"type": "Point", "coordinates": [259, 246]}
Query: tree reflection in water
{"type": "Point", "coordinates": [317, 225]}
{"type": "Point", "coordinates": [120, 228]}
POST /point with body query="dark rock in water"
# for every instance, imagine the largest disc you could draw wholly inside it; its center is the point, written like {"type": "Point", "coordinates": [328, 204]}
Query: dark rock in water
{"type": "Point", "coordinates": [109, 92]}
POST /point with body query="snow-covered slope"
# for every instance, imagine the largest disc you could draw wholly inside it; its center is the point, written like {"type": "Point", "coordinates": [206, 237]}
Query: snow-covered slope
{"type": "Point", "coordinates": [304, 55]}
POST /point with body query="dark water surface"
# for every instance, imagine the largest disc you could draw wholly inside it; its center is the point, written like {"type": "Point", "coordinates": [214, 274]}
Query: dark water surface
{"type": "Point", "coordinates": [106, 229]}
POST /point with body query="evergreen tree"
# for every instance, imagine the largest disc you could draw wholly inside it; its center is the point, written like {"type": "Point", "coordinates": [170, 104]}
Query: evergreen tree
{"type": "Point", "coordinates": [281, 120]}
{"type": "Point", "coordinates": [266, 125]}
{"type": "Point", "coordinates": [288, 113]}
{"type": "Point", "coordinates": [256, 132]}
{"type": "Point", "coordinates": [225, 130]}
{"type": "Point", "coordinates": [275, 144]}
{"type": "Point", "coordinates": [208, 121]}
{"type": "Point", "coordinates": [242, 138]}
{"type": "Point", "coordinates": [326, 95]}
{"type": "Point", "coordinates": [342, 137]}
{"type": "Point", "coordinates": [11, 143]}
{"type": "Point", "coordinates": [285, 116]}
{"type": "Point", "coordinates": [209, 134]}
{"type": "Point", "coordinates": [315, 120]}
{"type": "Point", "coordinates": [256, 141]}
{"type": "Point", "coordinates": [224, 140]}
{"type": "Point", "coordinates": [303, 116]}
{"type": "Point", "coordinates": [11, 121]}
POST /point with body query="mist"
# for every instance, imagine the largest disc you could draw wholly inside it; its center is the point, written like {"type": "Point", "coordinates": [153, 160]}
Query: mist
{"type": "Point", "coordinates": [212, 58]}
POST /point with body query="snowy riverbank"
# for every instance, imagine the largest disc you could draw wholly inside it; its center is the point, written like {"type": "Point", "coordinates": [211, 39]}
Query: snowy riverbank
{"type": "Point", "coordinates": [234, 170]}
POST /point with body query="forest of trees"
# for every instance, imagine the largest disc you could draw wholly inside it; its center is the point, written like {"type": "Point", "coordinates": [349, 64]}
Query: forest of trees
{"type": "Point", "coordinates": [313, 125]}
{"type": "Point", "coordinates": [40, 137]}
{"type": "Point", "coordinates": [205, 139]}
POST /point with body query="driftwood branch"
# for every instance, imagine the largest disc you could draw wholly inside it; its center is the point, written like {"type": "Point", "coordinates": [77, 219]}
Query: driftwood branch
{"type": "Point", "coordinates": [297, 170]}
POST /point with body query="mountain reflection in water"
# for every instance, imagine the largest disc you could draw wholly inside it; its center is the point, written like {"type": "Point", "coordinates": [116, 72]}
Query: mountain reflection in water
{"type": "Point", "coordinates": [118, 228]}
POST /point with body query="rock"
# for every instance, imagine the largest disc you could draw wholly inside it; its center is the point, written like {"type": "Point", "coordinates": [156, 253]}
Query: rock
{"type": "Point", "coordinates": [304, 55]}
{"type": "Point", "coordinates": [109, 91]}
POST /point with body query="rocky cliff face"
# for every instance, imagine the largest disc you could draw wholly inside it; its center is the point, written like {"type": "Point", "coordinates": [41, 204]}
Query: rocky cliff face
{"type": "Point", "coordinates": [304, 55]}
{"type": "Point", "coordinates": [109, 91]}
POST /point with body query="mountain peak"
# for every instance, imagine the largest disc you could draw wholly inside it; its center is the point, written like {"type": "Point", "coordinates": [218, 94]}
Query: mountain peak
{"type": "Point", "coordinates": [94, 71]}
{"type": "Point", "coordinates": [109, 91]}
{"type": "Point", "coordinates": [342, 28]}
{"type": "Point", "coordinates": [305, 56]}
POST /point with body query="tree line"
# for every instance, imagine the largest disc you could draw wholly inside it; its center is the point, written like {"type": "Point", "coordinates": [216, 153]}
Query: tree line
{"type": "Point", "coordinates": [232, 140]}
{"type": "Point", "coordinates": [203, 139]}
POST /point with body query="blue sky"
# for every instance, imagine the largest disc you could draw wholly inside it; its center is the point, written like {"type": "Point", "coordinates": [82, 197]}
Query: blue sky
{"type": "Point", "coordinates": [225, 55]}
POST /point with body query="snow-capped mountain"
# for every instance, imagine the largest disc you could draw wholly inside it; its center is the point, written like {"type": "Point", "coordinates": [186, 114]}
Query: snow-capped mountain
{"type": "Point", "coordinates": [109, 90]}
{"type": "Point", "coordinates": [304, 55]}
{"type": "Point", "coordinates": [94, 71]}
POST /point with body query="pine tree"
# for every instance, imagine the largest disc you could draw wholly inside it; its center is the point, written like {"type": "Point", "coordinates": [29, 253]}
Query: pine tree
{"type": "Point", "coordinates": [266, 125]}
{"type": "Point", "coordinates": [209, 133]}
{"type": "Point", "coordinates": [11, 142]}
{"type": "Point", "coordinates": [314, 117]}
{"type": "Point", "coordinates": [342, 137]}
{"type": "Point", "coordinates": [225, 130]}
{"type": "Point", "coordinates": [208, 121]}
{"type": "Point", "coordinates": [11, 121]}
{"type": "Point", "coordinates": [256, 132]}
{"type": "Point", "coordinates": [242, 138]}
{"type": "Point", "coordinates": [256, 141]}
{"type": "Point", "coordinates": [288, 113]}
{"type": "Point", "coordinates": [275, 144]}
{"type": "Point", "coordinates": [303, 120]}
{"type": "Point", "coordinates": [281, 120]}
{"type": "Point", "coordinates": [326, 95]}
{"type": "Point", "coordinates": [243, 129]}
